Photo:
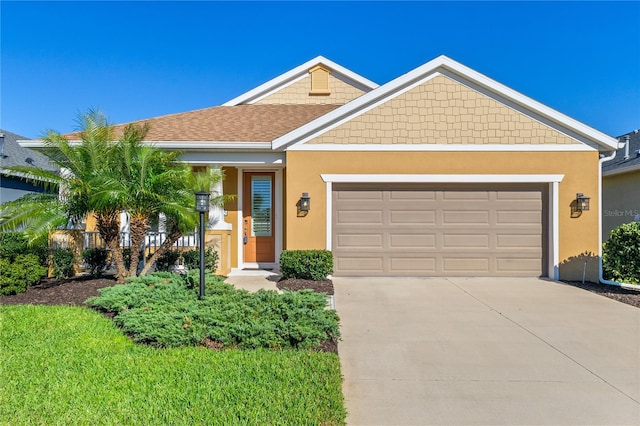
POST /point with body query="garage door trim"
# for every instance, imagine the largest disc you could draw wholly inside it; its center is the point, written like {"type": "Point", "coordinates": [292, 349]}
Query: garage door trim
{"type": "Point", "coordinates": [552, 179]}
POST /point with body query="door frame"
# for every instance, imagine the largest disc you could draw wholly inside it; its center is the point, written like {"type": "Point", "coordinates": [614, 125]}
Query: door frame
{"type": "Point", "coordinates": [277, 217]}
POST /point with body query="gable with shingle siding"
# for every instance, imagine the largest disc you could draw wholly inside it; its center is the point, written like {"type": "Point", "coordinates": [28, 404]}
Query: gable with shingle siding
{"type": "Point", "coordinates": [442, 111]}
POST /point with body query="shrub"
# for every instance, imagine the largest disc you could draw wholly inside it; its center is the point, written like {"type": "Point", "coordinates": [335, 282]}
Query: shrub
{"type": "Point", "coordinates": [62, 261]}
{"type": "Point", "coordinates": [24, 271]}
{"type": "Point", "coordinates": [97, 259]}
{"type": "Point", "coordinates": [191, 259]}
{"type": "Point", "coordinates": [13, 244]}
{"type": "Point", "coordinates": [166, 261]}
{"type": "Point", "coordinates": [621, 254]}
{"type": "Point", "coordinates": [162, 311]}
{"type": "Point", "coordinates": [306, 264]}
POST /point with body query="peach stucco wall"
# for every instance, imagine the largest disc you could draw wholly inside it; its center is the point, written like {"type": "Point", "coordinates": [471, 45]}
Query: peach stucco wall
{"type": "Point", "coordinates": [298, 93]}
{"type": "Point", "coordinates": [442, 111]}
{"type": "Point", "coordinates": [578, 236]}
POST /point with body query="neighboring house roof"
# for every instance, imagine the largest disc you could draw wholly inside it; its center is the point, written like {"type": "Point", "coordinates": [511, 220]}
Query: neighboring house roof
{"type": "Point", "coordinates": [621, 163]}
{"type": "Point", "coordinates": [295, 74]}
{"type": "Point", "coordinates": [473, 79]}
{"type": "Point", "coordinates": [15, 155]}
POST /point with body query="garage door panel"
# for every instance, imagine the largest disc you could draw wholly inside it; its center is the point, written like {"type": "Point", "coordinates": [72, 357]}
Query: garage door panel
{"type": "Point", "coordinates": [360, 195]}
{"type": "Point", "coordinates": [473, 241]}
{"type": "Point", "coordinates": [465, 196]}
{"type": "Point", "coordinates": [518, 217]}
{"type": "Point", "coordinates": [360, 241]}
{"type": "Point", "coordinates": [453, 265]}
{"type": "Point", "coordinates": [458, 217]}
{"type": "Point", "coordinates": [360, 265]}
{"type": "Point", "coordinates": [412, 216]}
{"type": "Point", "coordinates": [412, 195]}
{"type": "Point", "coordinates": [363, 217]}
{"type": "Point", "coordinates": [412, 265]}
{"type": "Point", "coordinates": [416, 229]}
{"type": "Point", "coordinates": [523, 265]}
{"type": "Point", "coordinates": [414, 241]}
{"type": "Point", "coordinates": [517, 195]}
{"type": "Point", "coordinates": [531, 241]}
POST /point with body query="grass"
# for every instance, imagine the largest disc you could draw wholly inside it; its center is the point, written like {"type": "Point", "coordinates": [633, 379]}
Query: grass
{"type": "Point", "coordinates": [70, 365]}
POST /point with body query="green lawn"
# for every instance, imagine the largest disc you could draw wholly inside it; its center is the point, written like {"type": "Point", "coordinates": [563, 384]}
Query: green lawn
{"type": "Point", "coordinates": [70, 365]}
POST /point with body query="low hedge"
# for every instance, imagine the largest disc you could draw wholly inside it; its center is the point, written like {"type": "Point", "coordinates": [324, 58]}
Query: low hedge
{"type": "Point", "coordinates": [62, 262]}
{"type": "Point", "coordinates": [16, 276]}
{"type": "Point", "coordinates": [306, 264]}
{"type": "Point", "coordinates": [621, 254]}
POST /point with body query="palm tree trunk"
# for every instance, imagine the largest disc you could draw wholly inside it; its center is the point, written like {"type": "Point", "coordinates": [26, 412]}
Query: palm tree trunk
{"type": "Point", "coordinates": [166, 245]}
{"type": "Point", "coordinates": [138, 226]}
{"type": "Point", "coordinates": [109, 228]}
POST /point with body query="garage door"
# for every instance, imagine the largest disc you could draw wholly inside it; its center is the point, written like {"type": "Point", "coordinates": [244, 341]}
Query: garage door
{"type": "Point", "coordinates": [444, 230]}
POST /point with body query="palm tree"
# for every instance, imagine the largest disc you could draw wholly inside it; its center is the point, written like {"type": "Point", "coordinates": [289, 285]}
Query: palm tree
{"type": "Point", "coordinates": [101, 177]}
{"type": "Point", "coordinates": [179, 209]}
{"type": "Point", "coordinates": [83, 170]}
{"type": "Point", "coordinates": [146, 181]}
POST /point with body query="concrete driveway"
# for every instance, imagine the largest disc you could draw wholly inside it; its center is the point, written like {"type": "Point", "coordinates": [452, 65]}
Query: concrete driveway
{"type": "Point", "coordinates": [471, 351]}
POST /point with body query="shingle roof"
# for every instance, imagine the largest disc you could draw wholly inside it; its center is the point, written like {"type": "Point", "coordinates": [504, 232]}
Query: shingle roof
{"type": "Point", "coordinates": [242, 123]}
{"type": "Point", "coordinates": [619, 161]}
{"type": "Point", "coordinates": [15, 155]}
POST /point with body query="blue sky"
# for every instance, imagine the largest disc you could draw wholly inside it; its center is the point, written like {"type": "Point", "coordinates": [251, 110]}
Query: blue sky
{"type": "Point", "coordinates": [135, 60]}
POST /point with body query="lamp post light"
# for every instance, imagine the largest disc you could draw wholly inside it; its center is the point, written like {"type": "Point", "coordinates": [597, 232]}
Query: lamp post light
{"type": "Point", "coordinates": [202, 206]}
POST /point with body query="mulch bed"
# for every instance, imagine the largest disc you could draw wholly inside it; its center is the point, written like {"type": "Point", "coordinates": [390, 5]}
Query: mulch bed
{"type": "Point", "coordinates": [292, 284]}
{"type": "Point", "coordinates": [51, 291]}
{"type": "Point", "coordinates": [630, 297]}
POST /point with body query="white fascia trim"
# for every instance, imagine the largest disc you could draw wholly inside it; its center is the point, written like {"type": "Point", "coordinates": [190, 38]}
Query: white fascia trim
{"type": "Point", "coordinates": [440, 147]}
{"type": "Point", "coordinates": [30, 143]}
{"type": "Point", "coordinates": [416, 178]}
{"type": "Point", "coordinates": [242, 159]}
{"type": "Point", "coordinates": [622, 170]}
{"type": "Point", "coordinates": [180, 145]}
{"type": "Point", "coordinates": [554, 231]}
{"type": "Point", "coordinates": [290, 76]}
{"type": "Point", "coordinates": [424, 73]}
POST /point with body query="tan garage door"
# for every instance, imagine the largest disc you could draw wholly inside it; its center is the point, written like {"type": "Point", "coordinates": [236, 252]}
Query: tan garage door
{"type": "Point", "coordinates": [444, 230]}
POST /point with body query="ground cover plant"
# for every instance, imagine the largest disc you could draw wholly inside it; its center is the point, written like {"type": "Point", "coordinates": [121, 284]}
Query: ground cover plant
{"type": "Point", "coordinates": [163, 310]}
{"type": "Point", "coordinates": [71, 365]}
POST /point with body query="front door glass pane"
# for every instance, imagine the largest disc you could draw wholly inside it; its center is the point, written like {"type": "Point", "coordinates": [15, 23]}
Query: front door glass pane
{"type": "Point", "coordinates": [261, 206]}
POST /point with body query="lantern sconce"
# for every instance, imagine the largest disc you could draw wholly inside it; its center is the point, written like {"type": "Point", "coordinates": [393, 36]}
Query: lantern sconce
{"type": "Point", "coordinates": [305, 202]}
{"type": "Point", "coordinates": [582, 202]}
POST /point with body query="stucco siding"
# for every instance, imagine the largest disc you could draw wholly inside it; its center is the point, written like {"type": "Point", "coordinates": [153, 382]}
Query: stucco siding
{"type": "Point", "coordinates": [578, 236]}
{"type": "Point", "coordinates": [298, 93]}
{"type": "Point", "coordinates": [620, 200]}
{"type": "Point", "coordinates": [442, 111]}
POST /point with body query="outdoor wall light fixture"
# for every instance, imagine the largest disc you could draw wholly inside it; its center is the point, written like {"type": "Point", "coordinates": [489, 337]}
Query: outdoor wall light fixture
{"type": "Point", "coordinates": [202, 206]}
{"type": "Point", "coordinates": [582, 202]}
{"type": "Point", "coordinates": [305, 202]}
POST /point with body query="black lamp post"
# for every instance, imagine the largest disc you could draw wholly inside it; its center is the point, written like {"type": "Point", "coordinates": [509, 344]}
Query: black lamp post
{"type": "Point", "coordinates": [202, 206]}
